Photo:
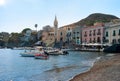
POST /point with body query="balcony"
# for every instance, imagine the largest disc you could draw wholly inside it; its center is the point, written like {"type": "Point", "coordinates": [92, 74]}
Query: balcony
{"type": "Point", "coordinates": [99, 33]}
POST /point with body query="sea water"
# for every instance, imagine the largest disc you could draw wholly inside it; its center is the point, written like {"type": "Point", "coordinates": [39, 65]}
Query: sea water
{"type": "Point", "coordinates": [13, 67]}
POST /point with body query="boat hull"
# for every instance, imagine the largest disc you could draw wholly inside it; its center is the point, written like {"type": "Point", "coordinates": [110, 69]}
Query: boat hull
{"type": "Point", "coordinates": [41, 56]}
{"type": "Point", "coordinates": [27, 55]}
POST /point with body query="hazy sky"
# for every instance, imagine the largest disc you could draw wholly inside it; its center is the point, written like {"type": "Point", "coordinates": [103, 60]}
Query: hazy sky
{"type": "Point", "coordinates": [15, 15]}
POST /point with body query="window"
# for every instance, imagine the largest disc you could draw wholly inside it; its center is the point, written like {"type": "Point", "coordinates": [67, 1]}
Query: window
{"type": "Point", "coordinates": [94, 32]}
{"type": "Point", "coordinates": [68, 28]}
{"type": "Point", "coordinates": [114, 41]}
{"type": "Point", "coordinates": [114, 33]}
{"type": "Point", "coordinates": [61, 39]}
{"type": "Point", "coordinates": [98, 40]}
{"type": "Point", "coordinates": [90, 33]}
{"type": "Point", "coordinates": [85, 34]}
{"type": "Point", "coordinates": [119, 32]}
{"type": "Point", "coordinates": [99, 32]}
{"type": "Point", "coordinates": [61, 33]}
{"type": "Point", "coordinates": [90, 40]}
{"type": "Point", "coordinates": [107, 34]}
{"type": "Point", "coordinates": [94, 40]}
{"type": "Point", "coordinates": [119, 41]}
{"type": "Point", "coordinates": [77, 37]}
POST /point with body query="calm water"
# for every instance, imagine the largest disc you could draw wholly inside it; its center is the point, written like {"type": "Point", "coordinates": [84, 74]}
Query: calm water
{"type": "Point", "coordinates": [13, 67]}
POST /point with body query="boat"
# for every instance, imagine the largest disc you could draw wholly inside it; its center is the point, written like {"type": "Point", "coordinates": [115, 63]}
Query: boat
{"type": "Point", "coordinates": [58, 53]}
{"type": "Point", "coordinates": [41, 56]}
{"type": "Point", "coordinates": [31, 53]}
{"type": "Point", "coordinates": [27, 54]}
{"type": "Point", "coordinates": [54, 51]}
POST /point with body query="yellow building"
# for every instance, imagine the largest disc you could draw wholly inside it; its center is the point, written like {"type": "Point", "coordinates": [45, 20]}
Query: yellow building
{"type": "Point", "coordinates": [50, 34]}
{"type": "Point", "coordinates": [65, 32]}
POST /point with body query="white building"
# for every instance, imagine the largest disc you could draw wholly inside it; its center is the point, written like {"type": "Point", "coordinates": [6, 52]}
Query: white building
{"type": "Point", "coordinates": [112, 33]}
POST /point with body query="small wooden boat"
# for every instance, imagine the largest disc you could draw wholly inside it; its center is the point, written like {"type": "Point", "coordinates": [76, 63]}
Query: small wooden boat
{"type": "Point", "coordinates": [41, 56]}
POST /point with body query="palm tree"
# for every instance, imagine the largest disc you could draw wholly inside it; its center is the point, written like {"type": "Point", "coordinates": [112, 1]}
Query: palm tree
{"type": "Point", "coordinates": [36, 25]}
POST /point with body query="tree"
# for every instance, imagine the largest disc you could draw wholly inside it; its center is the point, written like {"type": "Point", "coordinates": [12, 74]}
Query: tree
{"type": "Point", "coordinates": [24, 30]}
{"type": "Point", "coordinates": [14, 39]}
{"type": "Point", "coordinates": [36, 25]}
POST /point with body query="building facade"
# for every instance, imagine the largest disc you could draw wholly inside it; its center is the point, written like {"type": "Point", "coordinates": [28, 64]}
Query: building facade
{"type": "Point", "coordinates": [93, 34]}
{"type": "Point", "coordinates": [68, 32]}
{"type": "Point", "coordinates": [112, 32]}
{"type": "Point", "coordinates": [77, 35]}
{"type": "Point", "coordinates": [61, 35]}
{"type": "Point", "coordinates": [50, 34]}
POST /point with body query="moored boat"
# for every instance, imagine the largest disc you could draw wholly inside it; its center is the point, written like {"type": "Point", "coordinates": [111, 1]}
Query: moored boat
{"type": "Point", "coordinates": [41, 56]}
{"type": "Point", "coordinates": [31, 53]}
{"type": "Point", "coordinates": [59, 52]}
{"type": "Point", "coordinates": [27, 54]}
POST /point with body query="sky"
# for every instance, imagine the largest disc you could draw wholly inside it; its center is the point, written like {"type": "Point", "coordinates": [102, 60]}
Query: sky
{"type": "Point", "coordinates": [16, 15]}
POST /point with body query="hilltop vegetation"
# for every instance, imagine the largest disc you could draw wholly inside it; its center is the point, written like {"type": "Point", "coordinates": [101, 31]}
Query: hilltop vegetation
{"type": "Point", "coordinates": [96, 17]}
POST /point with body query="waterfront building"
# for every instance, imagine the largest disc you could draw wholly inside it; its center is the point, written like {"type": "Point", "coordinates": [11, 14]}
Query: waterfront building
{"type": "Point", "coordinates": [112, 32]}
{"type": "Point", "coordinates": [61, 35]}
{"type": "Point", "coordinates": [93, 34]}
{"type": "Point", "coordinates": [48, 37]}
{"type": "Point", "coordinates": [68, 29]}
{"type": "Point", "coordinates": [50, 34]}
{"type": "Point", "coordinates": [77, 35]}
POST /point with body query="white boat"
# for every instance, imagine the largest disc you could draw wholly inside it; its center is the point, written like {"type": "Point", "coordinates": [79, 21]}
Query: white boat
{"type": "Point", "coordinates": [54, 51]}
{"type": "Point", "coordinates": [31, 53]}
{"type": "Point", "coordinates": [27, 54]}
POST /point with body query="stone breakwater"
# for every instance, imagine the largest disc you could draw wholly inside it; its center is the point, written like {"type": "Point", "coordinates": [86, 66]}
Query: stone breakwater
{"type": "Point", "coordinates": [105, 69]}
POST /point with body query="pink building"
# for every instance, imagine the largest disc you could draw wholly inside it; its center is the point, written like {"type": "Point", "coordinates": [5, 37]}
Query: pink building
{"type": "Point", "coordinates": [93, 34]}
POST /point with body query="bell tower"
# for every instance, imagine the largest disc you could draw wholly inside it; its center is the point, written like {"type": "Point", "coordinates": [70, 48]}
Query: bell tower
{"type": "Point", "coordinates": [55, 28]}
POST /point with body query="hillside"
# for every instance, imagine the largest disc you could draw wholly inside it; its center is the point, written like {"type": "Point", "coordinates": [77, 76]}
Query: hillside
{"type": "Point", "coordinates": [96, 17]}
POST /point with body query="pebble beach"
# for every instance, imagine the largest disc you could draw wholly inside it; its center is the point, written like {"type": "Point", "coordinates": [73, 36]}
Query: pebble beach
{"type": "Point", "coordinates": [105, 69]}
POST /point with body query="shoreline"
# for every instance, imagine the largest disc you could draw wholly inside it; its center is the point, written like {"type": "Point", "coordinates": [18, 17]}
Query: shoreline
{"type": "Point", "coordinates": [104, 69]}
{"type": "Point", "coordinates": [98, 58]}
